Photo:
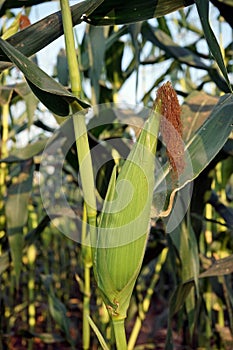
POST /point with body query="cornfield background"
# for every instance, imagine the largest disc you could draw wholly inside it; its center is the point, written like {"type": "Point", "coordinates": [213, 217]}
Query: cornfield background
{"type": "Point", "coordinates": [183, 296]}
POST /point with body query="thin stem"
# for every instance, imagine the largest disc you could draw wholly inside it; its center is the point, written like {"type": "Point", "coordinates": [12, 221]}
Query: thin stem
{"type": "Point", "coordinates": [87, 261]}
{"type": "Point", "coordinates": [120, 336]}
{"type": "Point", "coordinates": [86, 308]}
{"type": "Point", "coordinates": [82, 144]}
{"type": "Point", "coordinates": [3, 166]}
{"type": "Point", "coordinates": [85, 167]}
{"type": "Point", "coordinates": [75, 78]}
{"type": "Point", "coordinates": [85, 163]}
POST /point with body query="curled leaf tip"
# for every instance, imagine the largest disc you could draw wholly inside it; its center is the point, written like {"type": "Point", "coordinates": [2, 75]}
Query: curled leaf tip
{"type": "Point", "coordinates": [171, 126]}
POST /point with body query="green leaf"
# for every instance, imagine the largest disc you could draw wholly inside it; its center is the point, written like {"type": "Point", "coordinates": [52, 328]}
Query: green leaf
{"type": "Point", "coordinates": [30, 238]}
{"type": "Point", "coordinates": [58, 312]}
{"type": "Point", "coordinates": [178, 297]}
{"type": "Point", "coordinates": [220, 267]}
{"type": "Point", "coordinates": [57, 309]}
{"type": "Point", "coordinates": [114, 56]}
{"type": "Point", "coordinates": [203, 10]}
{"type": "Point", "coordinates": [53, 95]}
{"type": "Point", "coordinates": [4, 262]}
{"type": "Point", "coordinates": [112, 12]}
{"type": "Point", "coordinates": [200, 150]}
{"type": "Point", "coordinates": [24, 153]}
{"type": "Point", "coordinates": [16, 210]}
{"type": "Point", "coordinates": [5, 94]}
{"type": "Point", "coordinates": [62, 68]}
{"type": "Point", "coordinates": [195, 111]}
{"type": "Point", "coordinates": [176, 302]}
{"type": "Point", "coordinates": [185, 242]}
{"type": "Point", "coordinates": [31, 104]}
{"type": "Point", "coordinates": [96, 51]}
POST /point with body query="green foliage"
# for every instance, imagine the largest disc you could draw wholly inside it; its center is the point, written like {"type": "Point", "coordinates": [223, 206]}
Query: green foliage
{"type": "Point", "coordinates": [193, 279]}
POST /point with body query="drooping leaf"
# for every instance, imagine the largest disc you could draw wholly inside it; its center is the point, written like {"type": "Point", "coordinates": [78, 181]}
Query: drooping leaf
{"type": "Point", "coordinates": [112, 12]}
{"type": "Point", "coordinates": [53, 95]}
{"type": "Point", "coordinates": [33, 38]}
{"type": "Point", "coordinates": [59, 314]}
{"type": "Point", "coordinates": [165, 42]}
{"type": "Point", "coordinates": [182, 54]}
{"type": "Point", "coordinates": [203, 10]}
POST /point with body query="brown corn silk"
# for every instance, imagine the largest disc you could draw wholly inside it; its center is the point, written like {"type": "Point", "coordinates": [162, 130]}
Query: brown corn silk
{"type": "Point", "coordinates": [171, 127]}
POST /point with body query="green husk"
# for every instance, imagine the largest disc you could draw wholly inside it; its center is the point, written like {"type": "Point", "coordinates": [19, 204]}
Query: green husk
{"type": "Point", "coordinates": [123, 227]}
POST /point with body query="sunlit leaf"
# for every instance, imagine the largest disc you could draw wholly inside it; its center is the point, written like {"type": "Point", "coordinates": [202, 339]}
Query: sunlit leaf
{"type": "Point", "coordinates": [202, 147]}
{"type": "Point", "coordinates": [195, 110]}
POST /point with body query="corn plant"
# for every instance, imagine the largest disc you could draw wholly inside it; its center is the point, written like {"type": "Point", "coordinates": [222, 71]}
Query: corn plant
{"type": "Point", "coordinates": [115, 229]}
